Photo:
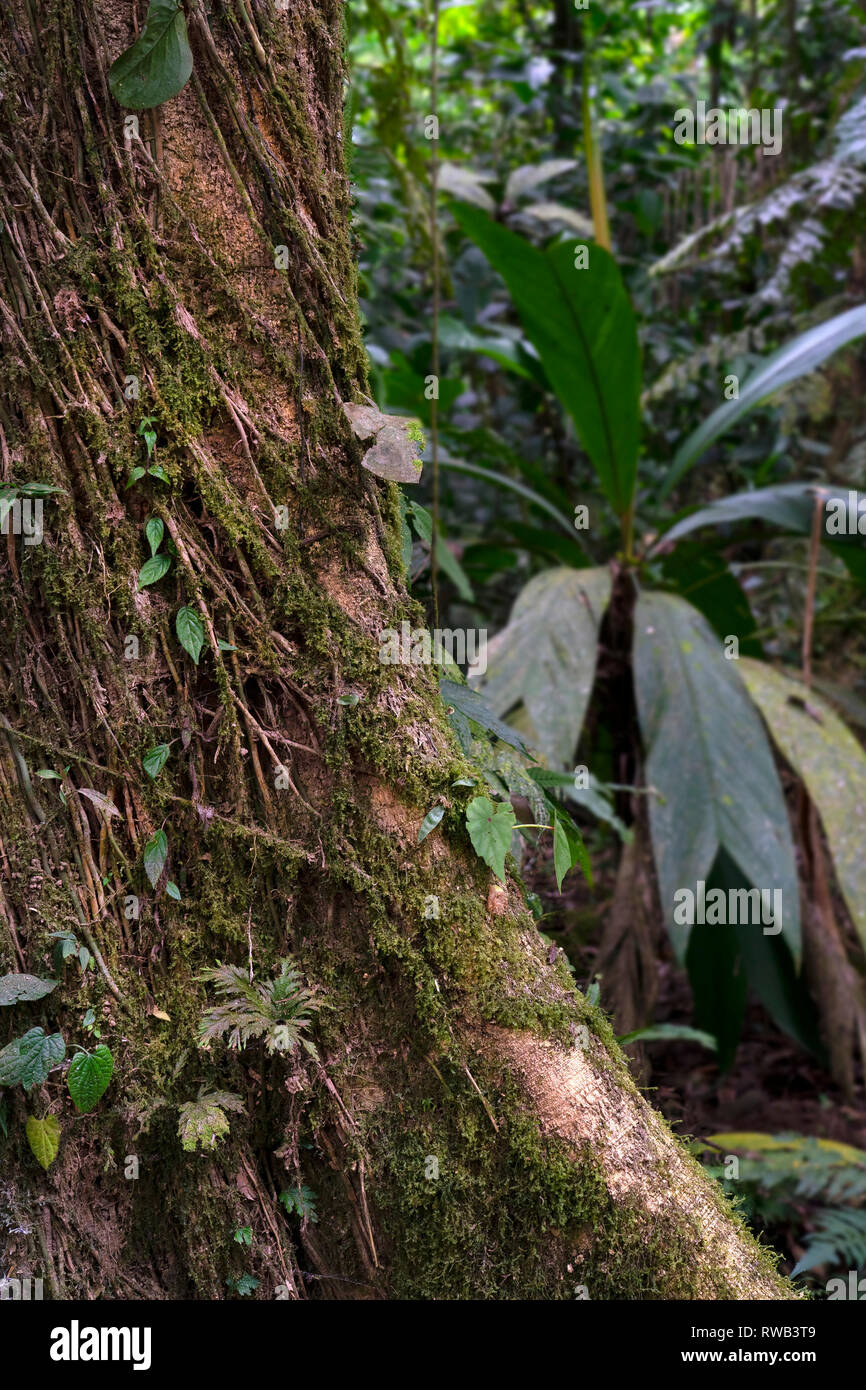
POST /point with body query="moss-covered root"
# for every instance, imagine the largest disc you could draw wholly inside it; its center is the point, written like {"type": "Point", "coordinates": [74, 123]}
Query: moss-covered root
{"type": "Point", "coordinates": [674, 1220]}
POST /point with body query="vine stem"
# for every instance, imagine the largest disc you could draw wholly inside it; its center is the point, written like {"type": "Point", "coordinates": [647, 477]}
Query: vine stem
{"type": "Point", "coordinates": [437, 289]}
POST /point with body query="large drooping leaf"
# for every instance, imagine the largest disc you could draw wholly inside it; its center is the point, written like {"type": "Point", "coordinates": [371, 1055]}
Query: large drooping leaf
{"type": "Point", "coordinates": [158, 64]}
{"type": "Point", "coordinates": [544, 659]}
{"type": "Point", "coordinates": [802, 355]}
{"type": "Point", "coordinates": [16, 989]}
{"type": "Point", "coordinates": [831, 762]}
{"type": "Point", "coordinates": [709, 758]}
{"type": "Point", "coordinates": [583, 327]}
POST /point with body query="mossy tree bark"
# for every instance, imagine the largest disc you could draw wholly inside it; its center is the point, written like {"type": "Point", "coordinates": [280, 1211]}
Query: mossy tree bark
{"type": "Point", "coordinates": [468, 1127]}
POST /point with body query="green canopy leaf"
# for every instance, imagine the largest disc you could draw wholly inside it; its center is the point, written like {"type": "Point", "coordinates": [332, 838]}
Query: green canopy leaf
{"type": "Point", "coordinates": [582, 325]}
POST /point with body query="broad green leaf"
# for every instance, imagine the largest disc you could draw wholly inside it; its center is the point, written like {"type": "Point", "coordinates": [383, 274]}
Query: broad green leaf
{"type": "Point", "coordinates": [158, 65]}
{"type": "Point", "coordinates": [47, 775]}
{"type": "Point", "coordinates": [173, 891]}
{"type": "Point", "coordinates": [786, 505]}
{"type": "Point", "coordinates": [476, 708]}
{"type": "Point", "coordinates": [190, 631]}
{"type": "Point", "coordinates": [544, 659]}
{"type": "Point", "coordinates": [17, 989]}
{"type": "Point", "coordinates": [155, 855]}
{"type": "Point", "coordinates": [157, 471]}
{"type": "Point", "coordinates": [29, 1059]}
{"type": "Point", "coordinates": [137, 472]}
{"type": "Point", "coordinates": [430, 821]}
{"type": "Point", "coordinates": [795, 359]}
{"type": "Point", "coordinates": [154, 530]}
{"type": "Point", "coordinates": [43, 1136]}
{"type": "Point", "coordinates": [155, 759]}
{"type": "Point", "coordinates": [709, 758]}
{"type": "Point", "coordinates": [831, 762]}
{"type": "Point", "coordinates": [561, 853]}
{"type": "Point", "coordinates": [490, 827]}
{"type": "Point", "coordinates": [583, 328]}
{"type": "Point", "coordinates": [153, 570]}
{"type": "Point", "coordinates": [88, 1076]}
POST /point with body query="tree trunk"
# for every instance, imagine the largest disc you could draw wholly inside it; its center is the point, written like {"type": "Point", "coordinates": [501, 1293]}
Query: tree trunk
{"type": "Point", "coordinates": [468, 1126]}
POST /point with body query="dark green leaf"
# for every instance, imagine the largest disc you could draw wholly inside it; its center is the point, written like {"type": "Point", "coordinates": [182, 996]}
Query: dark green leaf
{"type": "Point", "coordinates": [153, 570]}
{"type": "Point", "coordinates": [158, 65]}
{"type": "Point", "coordinates": [18, 989]}
{"type": "Point", "coordinates": [583, 327]}
{"type": "Point", "coordinates": [154, 530]}
{"type": "Point", "coordinates": [190, 631]}
{"type": "Point", "coordinates": [155, 759]}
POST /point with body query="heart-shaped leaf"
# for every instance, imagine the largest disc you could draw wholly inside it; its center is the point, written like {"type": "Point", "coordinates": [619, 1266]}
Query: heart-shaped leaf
{"type": "Point", "coordinates": [88, 1076]}
{"type": "Point", "coordinates": [158, 65]}
{"type": "Point", "coordinates": [190, 632]}
{"type": "Point", "coordinates": [490, 827]}
{"type": "Point", "coordinates": [43, 1136]}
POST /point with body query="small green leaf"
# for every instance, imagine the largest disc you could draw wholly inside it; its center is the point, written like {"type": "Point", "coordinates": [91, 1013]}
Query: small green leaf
{"type": "Point", "coordinates": [430, 821]}
{"type": "Point", "coordinates": [154, 530]}
{"type": "Point", "coordinates": [244, 1235]}
{"type": "Point", "coordinates": [88, 1076]}
{"type": "Point", "coordinates": [173, 891]}
{"type": "Point", "coordinates": [45, 773]}
{"type": "Point", "coordinates": [190, 631]}
{"type": "Point", "coordinates": [225, 646]}
{"type": "Point", "coordinates": [153, 570]}
{"type": "Point", "coordinates": [349, 700]}
{"type": "Point", "coordinates": [157, 471]}
{"type": "Point", "coordinates": [490, 827]}
{"type": "Point", "coordinates": [158, 65]}
{"type": "Point", "coordinates": [43, 1136]}
{"type": "Point", "coordinates": [134, 476]}
{"type": "Point", "coordinates": [569, 851]}
{"type": "Point", "coordinates": [155, 855]}
{"type": "Point", "coordinates": [245, 1285]}
{"type": "Point", "coordinates": [465, 782]}
{"type": "Point", "coordinates": [155, 759]}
